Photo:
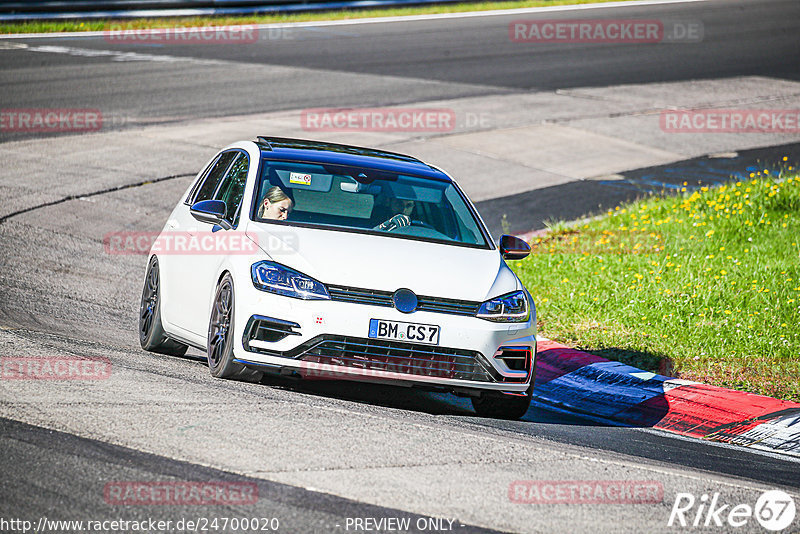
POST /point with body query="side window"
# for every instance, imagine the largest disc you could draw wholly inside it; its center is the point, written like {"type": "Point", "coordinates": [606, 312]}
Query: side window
{"type": "Point", "coordinates": [214, 176]}
{"type": "Point", "coordinates": [231, 190]}
{"type": "Point", "coordinates": [200, 181]}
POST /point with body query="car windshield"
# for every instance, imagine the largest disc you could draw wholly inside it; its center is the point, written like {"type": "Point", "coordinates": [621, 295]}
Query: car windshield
{"type": "Point", "coordinates": [366, 200]}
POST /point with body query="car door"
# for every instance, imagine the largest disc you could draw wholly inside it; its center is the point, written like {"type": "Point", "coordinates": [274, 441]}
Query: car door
{"type": "Point", "coordinates": [201, 277]}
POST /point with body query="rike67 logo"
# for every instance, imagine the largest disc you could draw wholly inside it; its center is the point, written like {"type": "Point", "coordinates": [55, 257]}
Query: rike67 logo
{"type": "Point", "coordinates": [774, 510]}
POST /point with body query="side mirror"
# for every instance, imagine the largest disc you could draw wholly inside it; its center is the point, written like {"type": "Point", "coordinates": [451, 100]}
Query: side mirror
{"type": "Point", "coordinates": [513, 248]}
{"type": "Point", "coordinates": [212, 212]}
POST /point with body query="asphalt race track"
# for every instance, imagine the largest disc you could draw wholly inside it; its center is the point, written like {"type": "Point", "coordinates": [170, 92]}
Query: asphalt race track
{"type": "Point", "coordinates": [323, 454]}
{"type": "Point", "coordinates": [398, 63]}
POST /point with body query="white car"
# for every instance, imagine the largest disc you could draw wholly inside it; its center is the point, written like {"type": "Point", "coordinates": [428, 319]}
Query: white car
{"type": "Point", "coordinates": [316, 260]}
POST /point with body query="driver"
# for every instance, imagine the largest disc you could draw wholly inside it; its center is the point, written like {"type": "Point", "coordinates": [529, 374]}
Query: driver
{"type": "Point", "coordinates": [403, 209]}
{"type": "Point", "coordinates": [277, 205]}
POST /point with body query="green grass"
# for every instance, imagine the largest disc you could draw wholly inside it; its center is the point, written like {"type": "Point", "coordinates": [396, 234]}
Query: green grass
{"type": "Point", "coordinates": [704, 285]}
{"type": "Point", "coordinates": [175, 22]}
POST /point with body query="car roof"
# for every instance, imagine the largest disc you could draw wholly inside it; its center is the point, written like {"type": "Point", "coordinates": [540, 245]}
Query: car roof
{"type": "Point", "coordinates": [287, 149]}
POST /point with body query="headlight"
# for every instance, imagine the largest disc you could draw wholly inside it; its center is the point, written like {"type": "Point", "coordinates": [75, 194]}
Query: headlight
{"type": "Point", "coordinates": [276, 278]}
{"type": "Point", "coordinates": [510, 308]}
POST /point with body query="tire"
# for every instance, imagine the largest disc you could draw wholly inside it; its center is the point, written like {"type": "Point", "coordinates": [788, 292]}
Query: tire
{"type": "Point", "coordinates": [503, 406]}
{"type": "Point", "coordinates": [151, 333]}
{"type": "Point", "coordinates": [220, 334]}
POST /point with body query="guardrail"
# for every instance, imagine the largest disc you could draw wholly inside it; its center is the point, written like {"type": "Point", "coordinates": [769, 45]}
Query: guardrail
{"type": "Point", "coordinates": [11, 11]}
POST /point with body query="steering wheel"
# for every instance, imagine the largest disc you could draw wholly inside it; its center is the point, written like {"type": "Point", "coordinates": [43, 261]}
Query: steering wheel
{"type": "Point", "coordinates": [413, 222]}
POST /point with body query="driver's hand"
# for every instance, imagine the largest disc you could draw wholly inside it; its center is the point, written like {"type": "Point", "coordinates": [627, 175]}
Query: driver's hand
{"type": "Point", "coordinates": [398, 221]}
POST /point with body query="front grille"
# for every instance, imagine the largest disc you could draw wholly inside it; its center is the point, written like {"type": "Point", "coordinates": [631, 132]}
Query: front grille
{"type": "Point", "coordinates": [455, 307]}
{"type": "Point", "coordinates": [361, 296]}
{"type": "Point", "coordinates": [374, 297]}
{"type": "Point", "coordinates": [395, 357]}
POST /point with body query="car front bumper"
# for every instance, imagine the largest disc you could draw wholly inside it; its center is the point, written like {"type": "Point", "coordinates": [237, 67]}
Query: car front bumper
{"type": "Point", "coordinates": [329, 340]}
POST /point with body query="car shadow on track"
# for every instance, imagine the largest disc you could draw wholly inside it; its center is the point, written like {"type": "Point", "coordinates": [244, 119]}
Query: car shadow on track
{"type": "Point", "coordinates": [416, 400]}
{"type": "Point", "coordinates": [582, 410]}
{"type": "Point", "coordinates": [385, 395]}
{"type": "Point", "coordinates": [609, 384]}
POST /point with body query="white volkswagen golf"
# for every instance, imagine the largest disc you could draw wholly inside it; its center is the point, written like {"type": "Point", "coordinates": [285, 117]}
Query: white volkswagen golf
{"type": "Point", "coordinates": [317, 260]}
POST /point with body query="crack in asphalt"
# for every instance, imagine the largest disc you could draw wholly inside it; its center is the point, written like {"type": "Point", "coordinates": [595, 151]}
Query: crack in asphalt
{"type": "Point", "coordinates": [67, 198]}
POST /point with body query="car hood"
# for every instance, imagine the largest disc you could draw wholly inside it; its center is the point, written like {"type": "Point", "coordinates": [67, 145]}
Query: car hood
{"type": "Point", "coordinates": [386, 263]}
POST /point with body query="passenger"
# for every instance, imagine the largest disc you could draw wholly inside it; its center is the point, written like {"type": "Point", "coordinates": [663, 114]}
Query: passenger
{"type": "Point", "coordinates": [402, 209]}
{"type": "Point", "coordinates": [276, 206]}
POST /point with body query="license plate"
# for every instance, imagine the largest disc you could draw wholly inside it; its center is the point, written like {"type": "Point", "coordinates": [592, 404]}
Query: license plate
{"type": "Point", "coordinates": [410, 332]}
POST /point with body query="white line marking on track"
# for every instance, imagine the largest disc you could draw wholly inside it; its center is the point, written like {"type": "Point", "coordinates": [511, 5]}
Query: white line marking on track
{"type": "Point", "coordinates": [115, 55]}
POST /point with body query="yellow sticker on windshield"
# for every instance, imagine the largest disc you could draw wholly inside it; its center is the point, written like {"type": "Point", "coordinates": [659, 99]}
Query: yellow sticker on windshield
{"type": "Point", "coordinates": [299, 178]}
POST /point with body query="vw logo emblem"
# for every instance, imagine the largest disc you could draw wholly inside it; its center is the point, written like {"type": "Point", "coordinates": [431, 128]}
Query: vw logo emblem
{"type": "Point", "coordinates": [405, 300]}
